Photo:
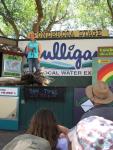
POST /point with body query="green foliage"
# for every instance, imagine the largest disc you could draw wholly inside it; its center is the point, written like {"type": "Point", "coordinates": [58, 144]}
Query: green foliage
{"type": "Point", "coordinates": [23, 13]}
{"type": "Point", "coordinates": [93, 14]}
{"type": "Point", "coordinates": [71, 14]}
{"type": "Point", "coordinates": [52, 13]}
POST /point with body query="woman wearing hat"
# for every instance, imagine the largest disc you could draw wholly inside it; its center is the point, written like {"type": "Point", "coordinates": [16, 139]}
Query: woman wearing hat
{"type": "Point", "coordinates": [102, 97]}
{"type": "Point", "coordinates": [92, 133]}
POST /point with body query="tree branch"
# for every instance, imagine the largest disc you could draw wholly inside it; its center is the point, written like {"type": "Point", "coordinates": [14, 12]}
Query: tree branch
{"type": "Point", "coordinates": [6, 9]}
{"type": "Point", "coordinates": [56, 11]}
{"type": "Point", "coordinates": [110, 8]}
{"type": "Point", "coordinates": [53, 20]}
{"type": "Point", "coordinates": [12, 23]}
{"type": "Point", "coordinates": [36, 25]}
{"type": "Point", "coordinates": [49, 27]}
{"type": "Point", "coordinates": [2, 33]}
{"type": "Point", "coordinates": [7, 17]}
{"type": "Point", "coordinates": [25, 37]}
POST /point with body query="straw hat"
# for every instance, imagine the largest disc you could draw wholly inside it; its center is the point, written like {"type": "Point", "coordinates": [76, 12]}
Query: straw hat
{"type": "Point", "coordinates": [99, 93]}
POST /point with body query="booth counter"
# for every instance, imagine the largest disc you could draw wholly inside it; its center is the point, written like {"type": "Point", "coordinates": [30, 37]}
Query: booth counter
{"type": "Point", "coordinates": [10, 66]}
{"type": "Point", "coordinates": [9, 108]}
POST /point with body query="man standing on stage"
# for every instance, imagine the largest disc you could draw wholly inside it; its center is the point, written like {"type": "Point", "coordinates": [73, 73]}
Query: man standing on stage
{"type": "Point", "coordinates": [34, 51]}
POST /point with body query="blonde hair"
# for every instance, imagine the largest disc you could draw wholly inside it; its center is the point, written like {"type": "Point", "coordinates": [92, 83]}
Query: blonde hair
{"type": "Point", "coordinates": [31, 33]}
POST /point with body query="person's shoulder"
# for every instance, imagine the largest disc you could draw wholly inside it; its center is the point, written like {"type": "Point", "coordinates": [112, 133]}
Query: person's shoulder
{"type": "Point", "coordinates": [37, 41]}
{"type": "Point", "coordinates": [28, 141]}
{"type": "Point", "coordinates": [97, 110]}
{"type": "Point", "coordinates": [88, 113]}
{"type": "Point", "coordinates": [29, 42]}
{"type": "Point", "coordinates": [102, 107]}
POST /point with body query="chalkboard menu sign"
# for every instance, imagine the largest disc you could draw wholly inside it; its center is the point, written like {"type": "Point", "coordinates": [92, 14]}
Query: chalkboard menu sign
{"type": "Point", "coordinates": [35, 93]}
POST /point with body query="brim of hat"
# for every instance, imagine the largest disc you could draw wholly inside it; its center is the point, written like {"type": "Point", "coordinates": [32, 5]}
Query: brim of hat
{"type": "Point", "coordinates": [90, 95]}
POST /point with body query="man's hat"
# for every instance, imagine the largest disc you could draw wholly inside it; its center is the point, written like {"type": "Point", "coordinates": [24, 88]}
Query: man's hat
{"type": "Point", "coordinates": [99, 93]}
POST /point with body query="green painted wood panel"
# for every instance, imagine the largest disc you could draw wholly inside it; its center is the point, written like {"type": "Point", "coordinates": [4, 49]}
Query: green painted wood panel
{"type": "Point", "coordinates": [63, 110]}
{"type": "Point", "coordinates": [71, 81]}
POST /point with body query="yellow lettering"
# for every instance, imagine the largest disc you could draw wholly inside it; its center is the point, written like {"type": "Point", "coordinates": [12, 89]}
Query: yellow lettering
{"type": "Point", "coordinates": [99, 32]}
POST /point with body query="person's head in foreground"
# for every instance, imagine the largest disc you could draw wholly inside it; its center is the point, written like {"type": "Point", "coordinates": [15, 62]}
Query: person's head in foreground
{"type": "Point", "coordinates": [99, 93]}
{"type": "Point", "coordinates": [43, 124]}
{"type": "Point", "coordinates": [28, 142]}
{"type": "Point", "coordinates": [92, 133]}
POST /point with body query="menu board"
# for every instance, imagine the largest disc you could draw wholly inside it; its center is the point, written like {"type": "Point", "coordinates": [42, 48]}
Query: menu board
{"type": "Point", "coordinates": [52, 93]}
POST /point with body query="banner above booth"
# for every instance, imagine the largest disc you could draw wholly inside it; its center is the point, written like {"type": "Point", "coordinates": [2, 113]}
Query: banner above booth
{"type": "Point", "coordinates": [72, 34]}
{"type": "Point", "coordinates": [69, 61]}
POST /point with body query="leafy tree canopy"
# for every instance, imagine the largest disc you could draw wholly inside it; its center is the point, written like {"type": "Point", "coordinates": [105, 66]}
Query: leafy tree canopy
{"type": "Point", "coordinates": [18, 17]}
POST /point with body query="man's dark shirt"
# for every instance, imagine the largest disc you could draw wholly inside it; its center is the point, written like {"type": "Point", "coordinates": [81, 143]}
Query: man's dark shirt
{"type": "Point", "coordinates": [103, 110]}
